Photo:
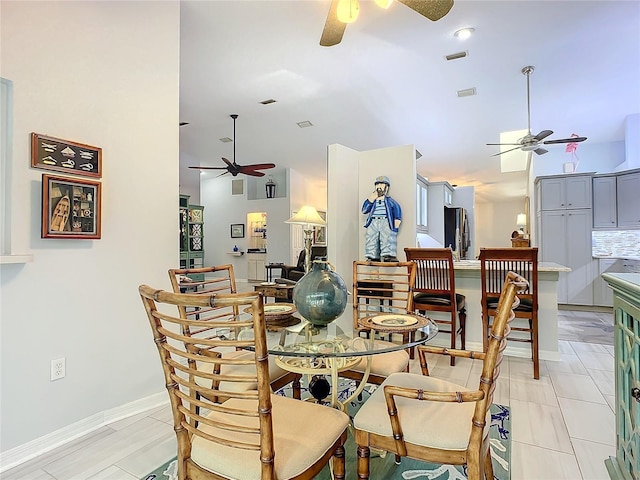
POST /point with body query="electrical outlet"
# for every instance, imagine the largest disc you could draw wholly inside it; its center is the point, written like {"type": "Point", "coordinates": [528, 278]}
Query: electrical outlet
{"type": "Point", "coordinates": [58, 369]}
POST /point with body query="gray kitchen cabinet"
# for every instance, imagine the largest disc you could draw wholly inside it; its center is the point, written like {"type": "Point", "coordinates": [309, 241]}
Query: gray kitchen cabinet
{"type": "Point", "coordinates": [605, 203]}
{"type": "Point", "coordinates": [564, 192]}
{"type": "Point", "coordinates": [628, 200]}
{"type": "Point", "coordinates": [565, 238]}
{"type": "Point", "coordinates": [602, 293]}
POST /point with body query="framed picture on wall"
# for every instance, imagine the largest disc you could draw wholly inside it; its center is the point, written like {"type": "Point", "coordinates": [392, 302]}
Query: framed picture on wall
{"type": "Point", "coordinates": [320, 233]}
{"type": "Point", "coordinates": [50, 153]}
{"type": "Point", "coordinates": [237, 230]}
{"type": "Point", "coordinates": [70, 208]}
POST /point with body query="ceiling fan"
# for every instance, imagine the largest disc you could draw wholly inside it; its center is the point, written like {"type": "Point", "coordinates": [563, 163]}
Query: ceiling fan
{"type": "Point", "coordinates": [531, 143]}
{"type": "Point", "coordinates": [233, 168]}
{"type": "Point", "coordinates": [342, 12]}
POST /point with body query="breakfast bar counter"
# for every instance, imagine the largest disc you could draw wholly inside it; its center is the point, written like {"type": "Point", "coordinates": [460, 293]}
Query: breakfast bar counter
{"type": "Point", "coordinates": [467, 276]}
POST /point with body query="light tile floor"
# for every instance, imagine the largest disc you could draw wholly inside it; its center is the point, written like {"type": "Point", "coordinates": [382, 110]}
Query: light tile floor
{"type": "Point", "coordinates": [562, 425]}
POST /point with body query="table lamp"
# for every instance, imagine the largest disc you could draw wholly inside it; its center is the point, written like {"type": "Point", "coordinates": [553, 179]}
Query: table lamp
{"type": "Point", "coordinates": [308, 217]}
{"type": "Point", "coordinates": [521, 221]}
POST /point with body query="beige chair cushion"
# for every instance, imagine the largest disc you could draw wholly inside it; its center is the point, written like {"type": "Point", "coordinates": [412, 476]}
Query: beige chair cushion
{"type": "Point", "coordinates": [303, 433]}
{"type": "Point", "coordinates": [430, 424]}
{"type": "Point", "coordinates": [384, 364]}
{"type": "Point", "coordinates": [275, 372]}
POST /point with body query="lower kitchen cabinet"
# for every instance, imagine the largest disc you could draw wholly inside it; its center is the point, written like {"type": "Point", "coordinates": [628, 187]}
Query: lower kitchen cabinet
{"type": "Point", "coordinates": [255, 266]}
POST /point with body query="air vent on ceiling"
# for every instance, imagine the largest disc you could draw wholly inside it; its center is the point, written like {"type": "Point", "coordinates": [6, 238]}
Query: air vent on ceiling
{"type": "Point", "coordinates": [267, 102]}
{"type": "Point", "coordinates": [226, 140]}
{"type": "Point", "coordinates": [456, 56]}
{"type": "Point", "coordinates": [466, 92]}
{"type": "Point", "coordinates": [305, 124]}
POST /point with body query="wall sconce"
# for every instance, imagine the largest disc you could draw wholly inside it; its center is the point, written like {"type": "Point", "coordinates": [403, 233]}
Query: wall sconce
{"type": "Point", "coordinates": [270, 187]}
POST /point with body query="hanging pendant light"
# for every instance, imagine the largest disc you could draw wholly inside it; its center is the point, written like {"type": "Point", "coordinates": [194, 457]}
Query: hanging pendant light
{"type": "Point", "coordinates": [384, 3]}
{"type": "Point", "coordinates": [270, 187]}
{"type": "Point", "coordinates": [348, 10]}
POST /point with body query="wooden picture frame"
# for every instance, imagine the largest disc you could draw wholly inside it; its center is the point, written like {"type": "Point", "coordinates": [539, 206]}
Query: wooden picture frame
{"type": "Point", "coordinates": [237, 230]}
{"type": "Point", "coordinates": [71, 208]}
{"type": "Point", "coordinates": [49, 153]}
{"type": "Point", "coordinates": [320, 233]}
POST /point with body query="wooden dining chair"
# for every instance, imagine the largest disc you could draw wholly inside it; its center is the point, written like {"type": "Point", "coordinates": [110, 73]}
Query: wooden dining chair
{"type": "Point", "coordinates": [435, 420]}
{"type": "Point", "coordinates": [435, 291]}
{"type": "Point", "coordinates": [253, 433]}
{"type": "Point", "coordinates": [494, 265]}
{"type": "Point", "coordinates": [218, 280]}
{"type": "Point", "coordinates": [378, 288]}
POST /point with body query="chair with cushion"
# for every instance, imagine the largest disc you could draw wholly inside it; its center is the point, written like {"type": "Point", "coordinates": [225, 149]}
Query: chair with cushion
{"type": "Point", "coordinates": [435, 290]}
{"type": "Point", "coordinates": [296, 272]}
{"type": "Point", "coordinates": [253, 433]}
{"type": "Point", "coordinates": [434, 420]}
{"type": "Point", "coordinates": [381, 287]}
{"type": "Point", "coordinates": [218, 280]}
{"type": "Point", "coordinates": [494, 265]}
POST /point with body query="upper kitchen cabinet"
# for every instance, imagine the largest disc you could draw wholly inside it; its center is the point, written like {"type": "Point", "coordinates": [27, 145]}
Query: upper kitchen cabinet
{"type": "Point", "coordinates": [564, 192]}
{"type": "Point", "coordinates": [615, 200]}
{"type": "Point", "coordinates": [604, 202]}
{"type": "Point", "coordinates": [628, 186]}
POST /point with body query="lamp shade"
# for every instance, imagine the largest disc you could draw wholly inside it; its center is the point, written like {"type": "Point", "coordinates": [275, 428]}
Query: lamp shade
{"type": "Point", "coordinates": [307, 215]}
{"type": "Point", "coordinates": [521, 219]}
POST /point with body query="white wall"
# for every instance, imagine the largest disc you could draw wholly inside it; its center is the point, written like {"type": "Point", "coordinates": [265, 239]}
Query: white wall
{"type": "Point", "coordinates": [495, 222]}
{"type": "Point", "coordinates": [110, 81]}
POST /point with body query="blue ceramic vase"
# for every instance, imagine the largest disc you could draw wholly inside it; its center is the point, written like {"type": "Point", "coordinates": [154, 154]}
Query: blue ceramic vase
{"type": "Point", "coordinates": [320, 295]}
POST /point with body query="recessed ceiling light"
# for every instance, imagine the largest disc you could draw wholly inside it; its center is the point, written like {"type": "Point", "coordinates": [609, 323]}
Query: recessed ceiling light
{"type": "Point", "coordinates": [267, 102]}
{"type": "Point", "coordinates": [226, 140]}
{"type": "Point", "coordinates": [305, 124]}
{"type": "Point", "coordinates": [467, 92]}
{"type": "Point", "coordinates": [464, 33]}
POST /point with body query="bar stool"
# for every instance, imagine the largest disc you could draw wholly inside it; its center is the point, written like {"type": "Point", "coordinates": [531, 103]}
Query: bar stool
{"type": "Point", "coordinates": [494, 265]}
{"type": "Point", "coordinates": [435, 290]}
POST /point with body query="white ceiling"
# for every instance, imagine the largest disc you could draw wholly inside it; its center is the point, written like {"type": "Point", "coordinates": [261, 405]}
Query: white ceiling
{"type": "Point", "coordinates": [388, 83]}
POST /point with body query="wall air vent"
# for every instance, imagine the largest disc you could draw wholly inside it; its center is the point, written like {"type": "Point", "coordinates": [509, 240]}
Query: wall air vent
{"type": "Point", "coordinates": [226, 140]}
{"type": "Point", "coordinates": [267, 102]}
{"type": "Point", "coordinates": [466, 92]}
{"type": "Point", "coordinates": [305, 124]}
{"type": "Point", "coordinates": [456, 56]}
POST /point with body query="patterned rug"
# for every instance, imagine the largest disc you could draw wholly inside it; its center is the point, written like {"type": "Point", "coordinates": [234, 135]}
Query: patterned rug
{"type": "Point", "coordinates": [384, 467]}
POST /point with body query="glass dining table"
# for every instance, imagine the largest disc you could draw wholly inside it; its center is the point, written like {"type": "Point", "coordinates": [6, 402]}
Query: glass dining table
{"type": "Point", "coordinates": [341, 345]}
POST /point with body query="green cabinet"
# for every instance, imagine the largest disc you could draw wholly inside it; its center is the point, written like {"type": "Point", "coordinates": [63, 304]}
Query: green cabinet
{"type": "Point", "coordinates": [626, 305]}
{"type": "Point", "coordinates": [191, 235]}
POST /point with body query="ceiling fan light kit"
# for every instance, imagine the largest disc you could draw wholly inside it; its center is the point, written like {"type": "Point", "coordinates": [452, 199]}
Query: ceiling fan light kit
{"type": "Point", "coordinates": [342, 12]}
{"type": "Point", "coordinates": [532, 143]}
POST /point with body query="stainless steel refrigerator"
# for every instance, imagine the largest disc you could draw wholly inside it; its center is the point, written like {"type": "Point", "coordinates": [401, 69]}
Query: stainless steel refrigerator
{"type": "Point", "coordinates": [456, 231]}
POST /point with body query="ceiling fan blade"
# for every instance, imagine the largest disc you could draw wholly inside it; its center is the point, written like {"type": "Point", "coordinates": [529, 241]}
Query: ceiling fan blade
{"type": "Point", "coordinates": [505, 151]}
{"type": "Point", "coordinates": [541, 151]}
{"type": "Point", "coordinates": [258, 166]}
{"type": "Point", "coordinates": [543, 134]}
{"type": "Point", "coordinates": [432, 9]}
{"type": "Point", "coordinates": [227, 162]}
{"type": "Point", "coordinates": [566, 140]}
{"type": "Point", "coordinates": [253, 173]}
{"type": "Point", "coordinates": [333, 28]}
{"type": "Point", "coordinates": [209, 168]}
{"type": "Point", "coordinates": [504, 144]}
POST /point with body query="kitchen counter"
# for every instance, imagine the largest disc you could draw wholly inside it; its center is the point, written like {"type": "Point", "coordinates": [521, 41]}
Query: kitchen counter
{"type": "Point", "coordinates": [467, 276]}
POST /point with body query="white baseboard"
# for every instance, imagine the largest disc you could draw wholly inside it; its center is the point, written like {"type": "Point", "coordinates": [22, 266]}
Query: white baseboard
{"type": "Point", "coordinates": [38, 446]}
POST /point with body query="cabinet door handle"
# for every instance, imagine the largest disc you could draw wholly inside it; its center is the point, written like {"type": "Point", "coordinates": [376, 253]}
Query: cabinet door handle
{"type": "Point", "coordinates": [635, 393]}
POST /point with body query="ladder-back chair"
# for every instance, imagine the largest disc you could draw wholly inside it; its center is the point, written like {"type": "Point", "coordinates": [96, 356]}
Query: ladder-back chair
{"type": "Point", "coordinates": [381, 287]}
{"type": "Point", "coordinates": [221, 279]}
{"type": "Point", "coordinates": [253, 433]}
{"type": "Point", "coordinates": [494, 265]}
{"type": "Point", "coordinates": [434, 420]}
{"type": "Point", "coordinates": [435, 291]}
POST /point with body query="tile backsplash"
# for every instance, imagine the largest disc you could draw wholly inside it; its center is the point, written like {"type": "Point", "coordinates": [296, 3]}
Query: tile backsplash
{"type": "Point", "coordinates": [615, 243]}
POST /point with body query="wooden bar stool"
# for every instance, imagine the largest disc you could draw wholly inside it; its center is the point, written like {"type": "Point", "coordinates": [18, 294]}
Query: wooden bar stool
{"type": "Point", "coordinates": [494, 265]}
{"type": "Point", "coordinates": [435, 290]}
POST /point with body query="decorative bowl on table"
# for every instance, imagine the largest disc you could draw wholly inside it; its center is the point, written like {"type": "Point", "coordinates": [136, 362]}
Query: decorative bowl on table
{"type": "Point", "coordinates": [320, 295]}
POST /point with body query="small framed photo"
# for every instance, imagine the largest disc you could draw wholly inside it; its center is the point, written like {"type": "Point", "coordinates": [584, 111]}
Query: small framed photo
{"type": "Point", "coordinates": [320, 233]}
{"type": "Point", "coordinates": [237, 230]}
{"type": "Point", "coordinates": [71, 208]}
{"type": "Point", "coordinates": [50, 153]}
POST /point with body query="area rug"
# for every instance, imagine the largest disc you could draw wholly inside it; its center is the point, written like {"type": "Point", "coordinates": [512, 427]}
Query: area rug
{"type": "Point", "coordinates": [384, 467]}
